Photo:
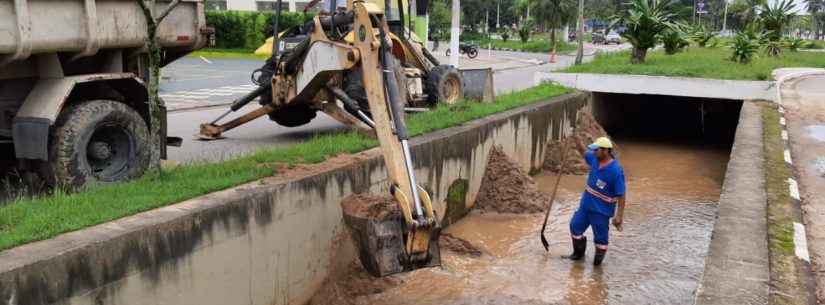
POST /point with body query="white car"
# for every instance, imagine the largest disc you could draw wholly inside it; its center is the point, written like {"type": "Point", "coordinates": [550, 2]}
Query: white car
{"type": "Point", "coordinates": [613, 37]}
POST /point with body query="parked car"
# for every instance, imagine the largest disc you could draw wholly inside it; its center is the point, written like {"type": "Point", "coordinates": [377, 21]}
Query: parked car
{"type": "Point", "coordinates": [613, 37]}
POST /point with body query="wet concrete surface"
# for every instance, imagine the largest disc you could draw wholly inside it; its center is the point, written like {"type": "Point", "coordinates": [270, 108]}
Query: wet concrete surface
{"type": "Point", "coordinates": [817, 132]}
{"type": "Point", "coordinates": [658, 258]}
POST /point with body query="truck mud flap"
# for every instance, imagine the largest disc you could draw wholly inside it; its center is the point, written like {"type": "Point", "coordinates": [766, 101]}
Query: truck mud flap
{"type": "Point", "coordinates": [478, 84]}
{"type": "Point", "coordinates": [380, 244]}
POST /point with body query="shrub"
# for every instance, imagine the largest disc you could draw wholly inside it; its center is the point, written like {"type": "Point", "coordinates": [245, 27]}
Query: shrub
{"type": "Point", "coordinates": [793, 44]}
{"type": "Point", "coordinates": [524, 31]}
{"type": "Point", "coordinates": [744, 48]}
{"type": "Point", "coordinates": [673, 40]}
{"type": "Point", "coordinates": [772, 47]}
{"type": "Point", "coordinates": [701, 36]}
{"type": "Point", "coordinates": [814, 44]}
{"type": "Point", "coordinates": [472, 36]}
{"type": "Point", "coordinates": [248, 30]}
{"type": "Point", "coordinates": [505, 34]}
{"type": "Point", "coordinates": [714, 43]}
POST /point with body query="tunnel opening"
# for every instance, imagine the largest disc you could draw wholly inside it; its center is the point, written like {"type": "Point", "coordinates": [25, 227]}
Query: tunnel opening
{"type": "Point", "coordinates": [668, 119]}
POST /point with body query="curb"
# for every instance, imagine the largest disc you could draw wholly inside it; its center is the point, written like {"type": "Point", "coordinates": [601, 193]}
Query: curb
{"type": "Point", "coordinates": [800, 239]}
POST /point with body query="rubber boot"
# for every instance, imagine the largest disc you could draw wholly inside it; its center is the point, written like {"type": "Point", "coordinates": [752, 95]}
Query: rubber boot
{"type": "Point", "coordinates": [579, 247]}
{"type": "Point", "coordinates": [599, 257]}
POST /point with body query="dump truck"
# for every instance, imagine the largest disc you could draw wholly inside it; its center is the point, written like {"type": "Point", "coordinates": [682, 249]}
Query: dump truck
{"type": "Point", "coordinates": [73, 77]}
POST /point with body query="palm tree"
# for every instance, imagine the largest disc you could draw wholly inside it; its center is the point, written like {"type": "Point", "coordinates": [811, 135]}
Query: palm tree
{"type": "Point", "coordinates": [774, 18]}
{"type": "Point", "coordinates": [645, 20]}
{"type": "Point", "coordinates": [554, 14]}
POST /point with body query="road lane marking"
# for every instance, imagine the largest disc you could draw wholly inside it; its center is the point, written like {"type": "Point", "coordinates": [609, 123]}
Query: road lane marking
{"type": "Point", "coordinates": [800, 242]}
{"type": "Point", "coordinates": [793, 188]}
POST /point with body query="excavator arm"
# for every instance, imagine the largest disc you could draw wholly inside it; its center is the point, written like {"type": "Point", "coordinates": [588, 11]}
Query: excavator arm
{"type": "Point", "coordinates": [313, 76]}
{"type": "Point", "coordinates": [421, 229]}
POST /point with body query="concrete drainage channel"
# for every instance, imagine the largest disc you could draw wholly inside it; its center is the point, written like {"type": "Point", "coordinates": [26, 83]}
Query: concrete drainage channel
{"type": "Point", "coordinates": [281, 240]}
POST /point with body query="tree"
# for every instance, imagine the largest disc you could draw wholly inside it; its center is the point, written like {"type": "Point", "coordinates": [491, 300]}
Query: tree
{"type": "Point", "coordinates": [554, 14]}
{"type": "Point", "coordinates": [153, 21]}
{"type": "Point", "coordinates": [775, 17]}
{"type": "Point", "coordinates": [439, 19]}
{"type": "Point", "coordinates": [817, 10]}
{"type": "Point", "coordinates": [645, 20]}
{"type": "Point", "coordinates": [602, 9]}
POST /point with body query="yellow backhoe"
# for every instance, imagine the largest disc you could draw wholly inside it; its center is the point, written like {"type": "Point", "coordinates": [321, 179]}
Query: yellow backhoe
{"type": "Point", "coordinates": [363, 67]}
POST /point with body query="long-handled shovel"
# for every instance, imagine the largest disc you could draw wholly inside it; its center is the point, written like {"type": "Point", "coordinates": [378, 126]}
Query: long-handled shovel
{"type": "Point", "coordinates": [562, 166]}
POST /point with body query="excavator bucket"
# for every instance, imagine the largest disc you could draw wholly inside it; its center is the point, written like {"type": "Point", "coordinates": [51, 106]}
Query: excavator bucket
{"type": "Point", "coordinates": [478, 84]}
{"type": "Point", "coordinates": [380, 244]}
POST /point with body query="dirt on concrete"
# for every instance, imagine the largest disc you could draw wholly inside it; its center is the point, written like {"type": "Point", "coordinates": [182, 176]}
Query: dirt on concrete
{"type": "Point", "coordinates": [458, 245]}
{"type": "Point", "coordinates": [288, 171]}
{"type": "Point", "coordinates": [570, 150]}
{"type": "Point", "coordinates": [505, 188]}
{"type": "Point", "coordinates": [369, 206]}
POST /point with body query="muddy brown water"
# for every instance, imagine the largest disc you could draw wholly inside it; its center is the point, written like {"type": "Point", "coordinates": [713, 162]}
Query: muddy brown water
{"type": "Point", "coordinates": [658, 258]}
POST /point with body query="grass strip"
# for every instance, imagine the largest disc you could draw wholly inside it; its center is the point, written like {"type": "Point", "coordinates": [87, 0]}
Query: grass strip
{"type": "Point", "coordinates": [787, 282]}
{"type": "Point", "coordinates": [228, 54]}
{"type": "Point", "coordinates": [699, 62]}
{"type": "Point", "coordinates": [31, 219]}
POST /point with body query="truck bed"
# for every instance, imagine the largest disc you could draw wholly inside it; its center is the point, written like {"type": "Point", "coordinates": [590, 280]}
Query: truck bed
{"type": "Point", "coordinates": [30, 27]}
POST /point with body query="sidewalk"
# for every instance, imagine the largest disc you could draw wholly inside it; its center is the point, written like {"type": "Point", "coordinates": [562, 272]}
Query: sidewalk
{"type": "Point", "coordinates": [736, 269]}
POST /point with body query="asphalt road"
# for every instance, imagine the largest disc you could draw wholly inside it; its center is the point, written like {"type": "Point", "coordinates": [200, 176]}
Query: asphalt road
{"type": "Point", "coordinates": [197, 89]}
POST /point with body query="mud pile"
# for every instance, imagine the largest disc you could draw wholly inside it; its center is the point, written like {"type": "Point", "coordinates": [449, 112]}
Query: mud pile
{"type": "Point", "coordinates": [369, 206]}
{"type": "Point", "coordinates": [345, 286]}
{"type": "Point", "coordinates": [458, 245]}
{"type": "Point", "coordinates": [505, 188]}
{"type": "Point", "coordinates": [587, 131]}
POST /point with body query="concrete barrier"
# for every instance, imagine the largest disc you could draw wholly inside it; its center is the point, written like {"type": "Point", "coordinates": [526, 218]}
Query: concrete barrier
{"type": "Point", "coordinates": [267, 242]}
{"type": "Point", "coordinates": [664, 85]}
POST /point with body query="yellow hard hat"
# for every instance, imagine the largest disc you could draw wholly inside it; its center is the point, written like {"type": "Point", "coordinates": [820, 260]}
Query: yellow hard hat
{"type": "Point", "coordinates": [602, 142]}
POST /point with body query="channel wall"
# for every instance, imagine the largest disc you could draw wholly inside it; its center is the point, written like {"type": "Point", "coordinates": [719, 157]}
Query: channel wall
{"type": "Point", "coordinates": [267, 242]}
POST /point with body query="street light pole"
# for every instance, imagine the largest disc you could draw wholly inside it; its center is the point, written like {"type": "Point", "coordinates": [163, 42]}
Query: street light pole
{"type": "Point", "coordinates": [725, 19]}
{"type": "Point", "coordinates": [455, 32]}
{"type": "Point", "coordinates": [528, 10]}
{"type": "Point", "coordinates": [580, 34]}
{"type": "Point", "coordinates": [498, 15]}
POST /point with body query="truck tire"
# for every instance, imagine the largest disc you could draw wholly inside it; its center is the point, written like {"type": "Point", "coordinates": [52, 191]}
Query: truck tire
{"type": "Point", "coordinates": [445, 84]}
{"type": "Point", "coordinates": [98, 141]}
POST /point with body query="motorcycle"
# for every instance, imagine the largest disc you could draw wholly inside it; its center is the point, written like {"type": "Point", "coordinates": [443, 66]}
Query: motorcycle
{"type": "Point", "coordinates": [470, 50]}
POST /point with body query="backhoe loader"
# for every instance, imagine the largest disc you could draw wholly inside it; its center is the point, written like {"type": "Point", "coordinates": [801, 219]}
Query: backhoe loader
{"type": "Point", "coordinates": [364, 57]}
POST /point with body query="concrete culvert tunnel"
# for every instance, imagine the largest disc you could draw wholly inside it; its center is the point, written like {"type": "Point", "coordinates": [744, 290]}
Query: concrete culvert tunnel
{"type": "Point", "coordinates": [659, 118]}
{"type": "Point", "coordinates": [674, 152]}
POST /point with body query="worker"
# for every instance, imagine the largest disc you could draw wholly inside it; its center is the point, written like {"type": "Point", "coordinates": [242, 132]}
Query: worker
{"type": "Point", "coordinates": [605, 190]}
